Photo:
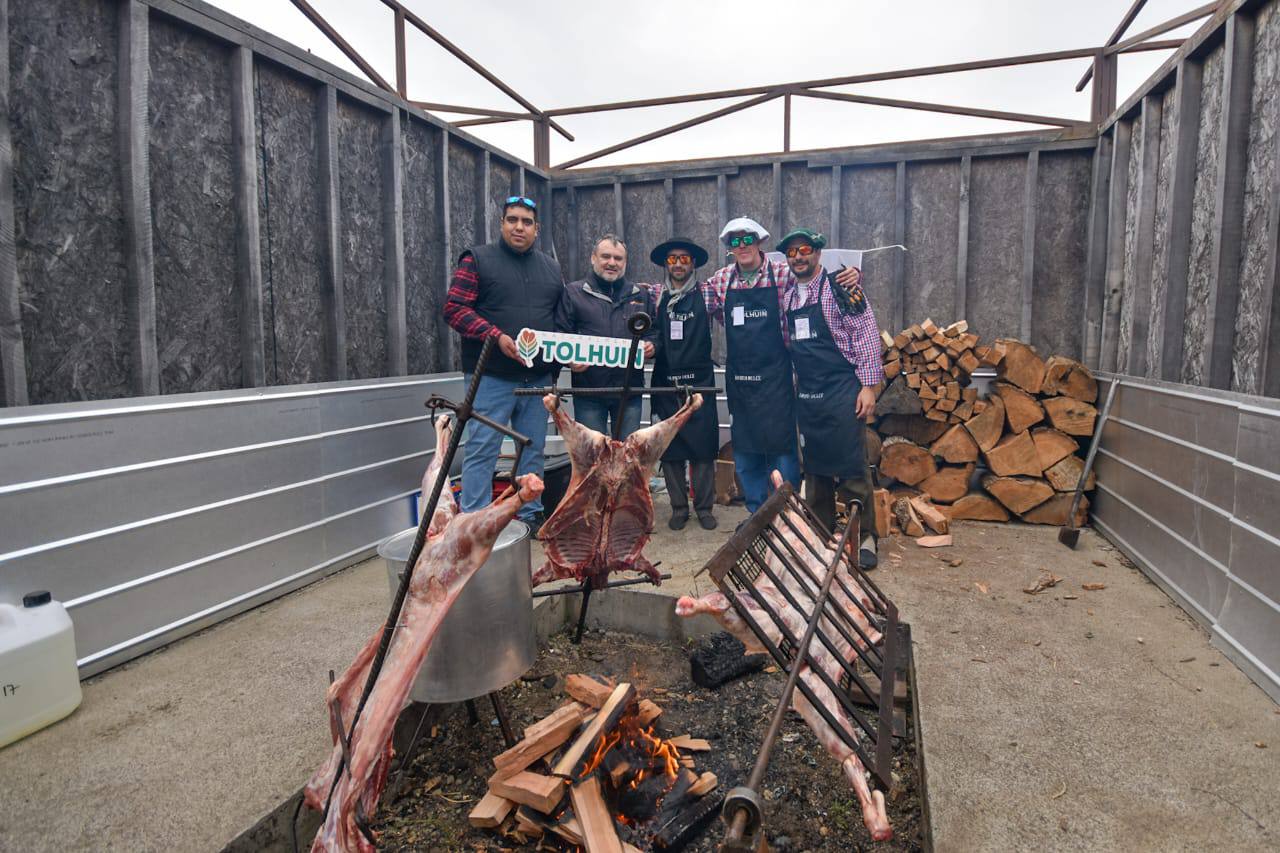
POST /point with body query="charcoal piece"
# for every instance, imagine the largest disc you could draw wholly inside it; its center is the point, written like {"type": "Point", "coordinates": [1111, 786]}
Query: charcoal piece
{"type": "Point", "coordinates": [720, 659]}
{"type": "Point", "coordinates": [678, 831]}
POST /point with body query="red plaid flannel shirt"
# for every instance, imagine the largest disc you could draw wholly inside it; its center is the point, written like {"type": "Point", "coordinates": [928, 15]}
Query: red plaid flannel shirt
{"type": "Point", "coordinates": [459, 305]}
{"type": "Point", "coordinates": [857, 336]}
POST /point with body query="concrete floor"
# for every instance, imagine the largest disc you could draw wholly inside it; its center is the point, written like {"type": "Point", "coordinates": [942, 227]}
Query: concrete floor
{"type": "Point", "coordinates": [1037, 735]}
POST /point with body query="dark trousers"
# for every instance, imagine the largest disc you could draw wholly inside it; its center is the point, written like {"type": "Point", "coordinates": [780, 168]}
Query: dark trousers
{"type": "Point", "coordinates": [704, 486]}
{"type": "Point", "coordinates": [820, 494]}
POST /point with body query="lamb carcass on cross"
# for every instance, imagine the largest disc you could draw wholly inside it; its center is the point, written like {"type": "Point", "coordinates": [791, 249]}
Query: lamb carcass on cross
{"type": "Point", "coordinates": [457, 546]}
{"type": "Point", "coordinates": [602, 523]}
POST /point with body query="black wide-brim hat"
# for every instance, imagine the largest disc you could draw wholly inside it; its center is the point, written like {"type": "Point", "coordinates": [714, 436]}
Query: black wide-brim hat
{"type": "Point", "coordinates": [660, 252]}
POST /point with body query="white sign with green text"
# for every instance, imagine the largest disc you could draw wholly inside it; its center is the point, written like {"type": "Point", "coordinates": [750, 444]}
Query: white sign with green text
{"type": "Point", "coordinates": [575, 349]}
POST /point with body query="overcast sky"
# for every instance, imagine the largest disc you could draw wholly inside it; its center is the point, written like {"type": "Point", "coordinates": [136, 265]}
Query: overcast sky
{"type": "Point", "coordinates": [573, 52]}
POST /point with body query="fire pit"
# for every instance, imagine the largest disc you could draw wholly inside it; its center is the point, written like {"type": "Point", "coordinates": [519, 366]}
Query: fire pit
{"type": "Point", "coordinates": [811, 805]}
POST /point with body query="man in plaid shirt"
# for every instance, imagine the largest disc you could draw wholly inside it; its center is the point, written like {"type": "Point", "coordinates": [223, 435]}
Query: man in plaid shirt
{"type": "Point", "coordinates": [835, 349]}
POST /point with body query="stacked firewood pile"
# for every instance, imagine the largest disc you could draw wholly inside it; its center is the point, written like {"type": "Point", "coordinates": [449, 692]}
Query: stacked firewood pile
{"type": "Point", "coordinates": [935, 431]}
{"type": "Point", "coordinates": [596, 772]}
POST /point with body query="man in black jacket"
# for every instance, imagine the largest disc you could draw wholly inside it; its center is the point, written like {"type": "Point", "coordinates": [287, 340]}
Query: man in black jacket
{"type": "Point", "coordinates": [497, 290]}
{"type": "Point", "coordinates": [601, 305]}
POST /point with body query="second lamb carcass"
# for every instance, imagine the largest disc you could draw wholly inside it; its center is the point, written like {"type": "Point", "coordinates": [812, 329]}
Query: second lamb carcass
{"type": "Point", "coordinates": [602, 523]}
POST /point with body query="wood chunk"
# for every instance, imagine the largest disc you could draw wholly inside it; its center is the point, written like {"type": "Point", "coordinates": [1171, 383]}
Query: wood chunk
{"type": "Point", "coordinates": [908, 522]}
{"type": "Point", "coordinates": [531, 789]}
{"type": "Point", "coordinates": [952, 391]}
{"type": "Point", "coordinates": [969, 395]}
{"type": "Point", "coordinates": [929, 327]}
{"type": "Point", "coordinates": [647, 712]}
{"type": "Point", "coordinates": [599, 835]}
{"type": "Point", "coordinates": [1072, 416]}
{"type": "Point", "coordinates": [884, 512]}
{"type": "Point", "coordinates": [938, 415]}
{"type": "Point", "coordinates": [901, 340]}
{"type": "Point", "coordinates": [1018, 494]}
{"type": "Point", "coordinates": [689, 743]}
{"type": "Point", "coordinates": [964, 411]}
{"type": "Point", "coordinates": [1054, 511]}
{"type": "Point", "coordinates": [950, 483]}
{"type": "Point", "coordinates": [968, 362]}
{"type": "Point", "coordinates": [1022, 365]}
{"type": "Point", "coordinates": [932, 376]}
{"type": "Point", "coordinates": [946, 405]}
{"type": "Point", "coordinates": [1014, 455]}
{"type": "Point", "coordinates": [1064, 475]}
{"type": "Point", "coordinates": [929, 514]}
{"type": "Point", "coordinates": [928, 392]}
{"type": "Point", "coordinates": [976, 506]}
{"type": "Point", "coordinates": [943, 361]}
{"type": "Point", "coordinates": [990, 355]}
{"type": "Point", "coordinates": [553, 719]}
{"type": "Point", "coordinates": [980, 406]}
{"type": "Point", "coordinates": [871, 441]}
{"type": "Point", "coordinates": [913, 427]}
{"type": "Point", "coordinates": [571, 763]}
{"type": "Point", "coordinates": [887, 338]}
{"type": "Point", "coordinates": [898, 399]}
{"type": "Point", "coordinates": [956, 445]}
{"type": "Point", "coordinates": [558, 728]}
{"type": "Point", "coordinates": [956, 329]}
{"type": "Point", "coordinates": [928, 404]}
{"type": "Point", "coordinates": [987, 426]}
{"type": "Point", "coordinates": [1021, 410]}
{"type": "Point", "coordinates": [931, 354]}
{"type": "Point", "coordinates": [491, 811]}
{"type": "Point", "coordinates": [940, 541]}
{"type": "Point", "coordinates": [906, 461]}
{"type": "Point", "coordinates": [913, 380]}
{"type": "Point", "coordinates": [968, 341]}
{"type": "Point", "coordinates": [916, 331]}
{"type": "Point", "coordinates": [706, 783]}
{"type": "Point", "coordinates": [1070, 378]}
{"type": "Point", "coordinates": [587, 690]}
{"type": "Point", "coordinates": [1052, 445]}
{"type": "Point", "coordinates": [892, 368]}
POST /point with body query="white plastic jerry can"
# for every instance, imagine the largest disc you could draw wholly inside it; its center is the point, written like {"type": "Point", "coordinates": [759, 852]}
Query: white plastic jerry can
{"type": "Point", "coordinates": [39, 682]}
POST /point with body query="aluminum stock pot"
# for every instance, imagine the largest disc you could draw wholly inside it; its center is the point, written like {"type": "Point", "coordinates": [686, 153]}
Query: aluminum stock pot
{"type": "Point", "coordinates": [487, 639]}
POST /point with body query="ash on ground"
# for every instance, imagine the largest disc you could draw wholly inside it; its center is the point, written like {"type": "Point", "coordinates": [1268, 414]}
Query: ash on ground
{"type": "Point", "coordinates": [809, 804]}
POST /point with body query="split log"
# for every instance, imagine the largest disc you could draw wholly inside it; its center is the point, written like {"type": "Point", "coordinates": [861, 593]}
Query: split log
{"type": "Point", "coordinates": [1018, 494]}
{"type": "Point", "coordinates": [906, 461]}
{"type": "Point", "coordinates": [901, 340]}
{"type": "Point", "coordinates": [551, 732]}
{"type": "Point", "coordinates": [968, 362]}
{"type": "Point", "coordinates": [950, 483]}
{"type": "Point", "coordinates": [1065, 474]}
{"type": "Point", "coordinates": [956, 445]}
{"type": "Point", "coordinates": [1070, 415]}
{"type": "Point", "coordinates": [964, 411]}
{"type": "Point", "coordinates": [892, 368]}
{"type": "Point", "coordinates": [908, 521]}
{"type": "Point", "coordinates": [587, 690]}
{"type": "Point", "coordinates": [531, 789]}
{"type": "Point", "coordinates": [888, 340]}
{"type": "Point", "coordinates": [491, 811]}
{"type": "Point", "coordinates": [1052, 445]}
{"type": "Point", "coordinates": [689, 743]}
{"type": "Point", "coordinates": [871, 441]}
{"type": "Point", "coordinates": [987, 426]}
{"type": "Point", "coordinates": [647, 712]}
{"type": "Point", "coordinates": [938, 415]}
{"type": "Point", "coordinates": [1021, 365]}
{"type": "Point", "coordinates": [940, 541]}
{"type": "Point", "coordinates": [929, 327]}
{"type": "Point", "coordinates": [884, 512]}
{"type": "Point", "coordinates": [572, 763]}
{"type": "Point", "coordinates": [898, 399]}
{"type": "Point", "coordinates": [991, 355]}
{"type": "Point", "coordinates": [929, 514]}
{"type": "Point", "coordinates": [946, 405]}
{"type": "Point", "coordinates": [599, 835]}
{"type": "Point", "coordinates": [956, 329]}
{"type": "Point", "coordinates": [706, 783]}
{"type": "Point", "coordinates": [1070, 378]}
{"type": "Point", "coordinates": [919, 430]}
{"type": "Point", "coordinates": [1021, 410]}
{"type": "Point", "coordinates": [1054, 511]}
{"type": "Point", "coordinates": [571, 707]}
{"type": "Point", "coordinates": [916, 331]}
{"type": "Point", "coordinates": [1015, 454]}
{"type": "Point", "coordinates": [976, 507]}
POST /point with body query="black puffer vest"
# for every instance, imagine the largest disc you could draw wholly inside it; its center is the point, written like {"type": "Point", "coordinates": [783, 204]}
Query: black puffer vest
{"type": "Point", "coordinates": [516, 291]}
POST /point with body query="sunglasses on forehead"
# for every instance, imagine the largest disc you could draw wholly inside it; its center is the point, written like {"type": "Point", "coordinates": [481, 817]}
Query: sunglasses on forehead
{"type": "Point", "coordinates": [519, 199]}
{"type": "Point", "coordinates": [742, 240]}
{"type": "Point", "coordinates": [802, 251]}
{"type": "Point", "coordinates": [672, 260]}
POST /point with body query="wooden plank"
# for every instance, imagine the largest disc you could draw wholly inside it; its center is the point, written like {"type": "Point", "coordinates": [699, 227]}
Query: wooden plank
{"type": "Point", "coordinates": [587, 690]}
{"type": "Point", "coordinates": [722, 200]}
{"type": "Point", "coordinates": [1185, 138]}
{"type": "Point", "coordinates": [553, 719]}
{"type": "Point", "coordinates": [540, 792]}
{"type": "Point", "coordinates": [575, 249]}
{"type": "Point", "coordinates": [1121, 151]}
{"type": "Point", "coordinates": [689, 743]}
{"type": "Point", "coordinates": [1269, 359]}
{"type": "Point", "coordinates": [1096, 260]}
{"type": "Point", "coordinates": [491, 811]}
{"type": "Point", "coordinates": [484, 219]}
{"type": "Point", "coordinates": [393, 287]}
{"type": "Point", "coordinates": [599, 835]}
{"type": "Point", "coordinates": [248, 244]}
{"type": "Point", "coordinates": [779, 213]}
{"type": "Point", "coordinates": [1138, 291]}
{"type": "Point", "coordinates": [619, 221]}
{"type": "Point", "coordinates": [1030, 198]}
{"type": "Point", "coordinates": [837, 213]}
{"type": "Point", "coordinates": [668, 192]}
{"type": "Point", "coordinates": [900, 237]}
{"type": "Point", "coordinates": [331, 293]}
{"type": "Point", "coordinates": [448, 341]}
{"type": "Point", "coordinates": [962, 240]}
{"type": "Point", "coordinates": [547, 735]}
{"type": "Point", "coordinates": [134, 137]}
{"type": "Point", "coordinates": [1228, 208]}
{"type": "Point", "coordinates": [402, 68]}
{"type": "Point", "coordinates": [13, 355]}
{"type": "Point", "coordinates": [570, 765]}
{"type": "Point", "coordinates": [520, 181]}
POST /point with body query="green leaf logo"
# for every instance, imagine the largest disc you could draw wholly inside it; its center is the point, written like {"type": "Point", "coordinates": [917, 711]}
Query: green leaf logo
{"type": "Point", "coordinates": [527, 346]}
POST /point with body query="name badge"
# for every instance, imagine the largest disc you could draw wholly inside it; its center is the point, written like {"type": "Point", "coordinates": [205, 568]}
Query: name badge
{"type": "Point", "coordinates": [739, 315]}
{"type": "Point", "coordinates": [802, 328]}
{"type": "Point", "coordinates": [677, 330]}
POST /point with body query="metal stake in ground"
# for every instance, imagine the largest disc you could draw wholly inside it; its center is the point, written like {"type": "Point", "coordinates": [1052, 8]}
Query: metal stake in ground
{"type": "Point", "coordinates": [1070, 534]}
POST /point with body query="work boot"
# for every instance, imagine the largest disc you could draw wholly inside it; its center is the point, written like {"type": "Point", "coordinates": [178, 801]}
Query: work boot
{"type": "Point", "coordinates": [867, 555]}
{"type": "Point", "coordinates": [707, 520]}
{"type": "Point", "coordinates": [679, 518]}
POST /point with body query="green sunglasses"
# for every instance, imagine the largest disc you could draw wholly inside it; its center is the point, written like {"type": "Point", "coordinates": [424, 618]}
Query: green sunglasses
{"type": "Point", "coordinates": [742, 240]}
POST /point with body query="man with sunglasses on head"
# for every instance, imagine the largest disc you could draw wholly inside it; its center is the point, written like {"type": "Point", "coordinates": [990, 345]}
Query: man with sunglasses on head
{"type": "Point", "coordinates": [683, 357]}
{"type": "Point", "coordinates": [746, 298]}
{"type": "Point", "coordinates": [497, 290]}
{"type": "Point", "coordinates": [835, 349]}
{"type": "Point", "coordinates": [601, 305]}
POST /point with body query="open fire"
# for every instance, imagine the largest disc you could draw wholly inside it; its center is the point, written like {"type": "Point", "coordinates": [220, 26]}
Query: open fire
{"type": "Point", "coordinates": [597, 774]}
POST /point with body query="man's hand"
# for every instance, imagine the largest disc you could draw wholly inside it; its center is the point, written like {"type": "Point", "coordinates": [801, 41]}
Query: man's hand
{"type": "Point", "coordinates": [866, 405]}
{"type": "Point", "coordinates": [577, 368]}
{"type": "Point", "coordinates": [508, 347]}
{"type": "Point", "coordinates": [849, 277]}
{"type": "Point", "coordinates": [648, 349]}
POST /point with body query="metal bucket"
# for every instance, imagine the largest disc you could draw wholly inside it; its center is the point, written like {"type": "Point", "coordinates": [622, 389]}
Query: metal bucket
{"type": "Point", "coordinates": [487, 640]}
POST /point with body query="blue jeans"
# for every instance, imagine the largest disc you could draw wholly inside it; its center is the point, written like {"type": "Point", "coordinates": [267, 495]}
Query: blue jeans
{"type": "Point", "coordinates": [756, 469]}
{"type": "Point", "coordinates": [597, 413]}
{"type": "Point", "coordinates": [495, 400]}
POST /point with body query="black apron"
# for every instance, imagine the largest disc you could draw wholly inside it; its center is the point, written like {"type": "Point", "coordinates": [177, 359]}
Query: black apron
{"type": "Point", "coordinates": [827, 389]}
{"type": "Point", "coordinates": [757, 376]}
{"type": "Point", "coordinates": [686, 360]}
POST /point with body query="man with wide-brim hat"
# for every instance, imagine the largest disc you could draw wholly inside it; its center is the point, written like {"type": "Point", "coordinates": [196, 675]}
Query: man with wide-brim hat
{"type": "Point", "coordinates": [683, 357]}
{"type": "Point", "coordinates": [834, 343]}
